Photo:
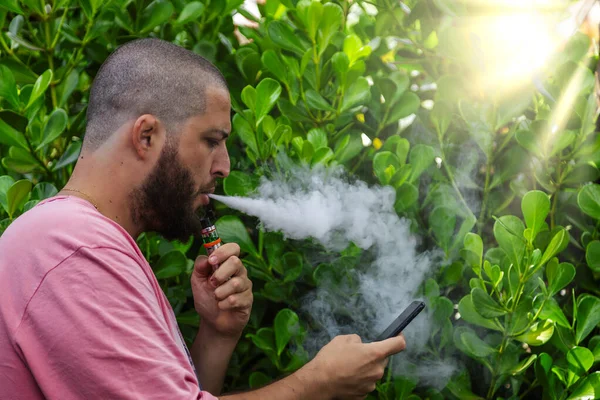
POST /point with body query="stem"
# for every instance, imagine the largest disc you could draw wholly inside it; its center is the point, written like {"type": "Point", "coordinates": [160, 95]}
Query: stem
{"type": "Point", "coordinates": [555, 195]}
{"type": "Point", "coordinates": [60, 24]}
{"type": "Point", "coordinates": [451, 175]}
{"type": "Point", "coordinates": [486, 192]}
{"type": "Point", "coordinates": [49, 50]}
{"type": "Point", "coordinates": [491, 391]}
{"type": "Point", "coordinates": [533, 385]}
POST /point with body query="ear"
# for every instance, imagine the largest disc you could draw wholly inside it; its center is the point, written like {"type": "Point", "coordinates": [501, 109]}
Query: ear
{"type": "Point", "coordinates": [146, 135]}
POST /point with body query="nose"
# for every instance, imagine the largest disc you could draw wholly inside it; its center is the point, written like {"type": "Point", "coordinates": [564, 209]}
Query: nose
{"type": "Point", "coordinates": [221, 164]}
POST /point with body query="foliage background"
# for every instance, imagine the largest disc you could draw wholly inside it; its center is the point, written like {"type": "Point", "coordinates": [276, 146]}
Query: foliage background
{"type": "Point", "coordinates": [513, 208]}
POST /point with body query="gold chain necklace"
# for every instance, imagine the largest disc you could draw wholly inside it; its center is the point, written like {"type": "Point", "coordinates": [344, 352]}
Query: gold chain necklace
{"type": "Point", "coordinates": [87, 196]}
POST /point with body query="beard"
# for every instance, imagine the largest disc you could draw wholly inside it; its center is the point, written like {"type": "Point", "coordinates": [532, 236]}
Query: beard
{"type": "Point", "coordinates": [164, 203]}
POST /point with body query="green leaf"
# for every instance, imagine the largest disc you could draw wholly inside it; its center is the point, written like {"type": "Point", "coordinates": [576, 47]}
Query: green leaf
{"type": "Point", "coordinates": [592, 255]}
{"type": "Point", "coordinates": [542, 369]}
{"type": "Point", "coordinates": [579, 361]}
{"type": "Point", "coordinates": [6, 182]}
{"type": "Point", "coordinates": [589, 200]}
{"type": "Point", "coordinates": [245, 131]}
{"type": "Point", "coordinates": [10, 136]}
{"type": "Point", "coordinates": [421, 157]}
{"type": "Point", "coordinates": [485, 305]}
{"type": "Point", "coordinates": [317, 137]}
{"type": "Point", "coordinates": [282, 35]}
{"type": "Point", "coordinates": [69, 156]}
{"type": "Point", "coordinates": [264, 339]}
{"type": "Point", "coordinates": [588, 389]}
{"type": "Point", "coordinates": [248, 62]}
{"type": "Point", "coordinates": [558, 243]}
{"type": "Point", "coordinates": [551, 311]}
{"type": "Point", "coordinates": [191, 12]}
{"type": "Point", "coordinates": [322, 156]}
{"type": "Point", "coordinates": [381, 162]}
{"type": "Point", "coordinates": [467, 311]}
{"type": "Point", "coordinates": [249, 97]}
{"type": "Point", "coordinates": [442, 221]}
{"type": "Point", "coordinates": [43, 190]}
{"type": "Point", "coordinates": [258, 379]}
{"type": "Point", "coordinates": [8, 86]}
{"type": "Point", "coordinates": [523, 365]}
{"type": "Point", "coordinates": [272, 62]}
{"type": "Point", "coordinates": [408, 104]}
{"type": "Point", "coordinates": [441, 116]}
{"type": "Point", "coordinates": [316, 101]}
{"type": "Point", "coordinates": [67, 87]}
{"type": "Point", "coordinates": [559, 276]}
{"type": "Point", "coordinates": [508, 231]}
{"type": "Point", "coordinates": [331, 21]}
{"type": "Point", "coordinates": [358, 93]}
{"type": "Point", "coordinates": [286, 325]}
{"type": "Point", "coordinates": [475, 345]}
{"type": "Point", "coordinates": [57, 123]}
{"type": "Point", "coordinates": [588, 316]}
{"type": "Point", "coordinates": [473, 251]}
{"type": "Point", "coordinates": [17, 195]}
{"type": "Point", "coordinates": [239, 183]}
{"type": "Point", "coordinates": [539, 333]}
{"type": "Point", "coordinates": [170, 265]}
{"type": "Point", "coordinates": [40, 87]}
{"type": "Point", "coordinates": [232, 230]}
{"type": "Point", "coordinates": [535, 206]}
{"type": "Point", "coordinates": [12, 5]}
{"type": "Point", "coordinates": [406, 195]}
{"type": "Point", "coordinates": [292, 266]}
{"type": "Point", "coordinates": [158, 12]}
{"type": "Point", "coordinates": [267, 93]}
{"type": "Point", "coordinates": [341, 66]}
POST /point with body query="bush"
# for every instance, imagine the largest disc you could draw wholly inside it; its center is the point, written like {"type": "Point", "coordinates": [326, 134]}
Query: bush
{"type": "Point", "coordinates": [493, 181]}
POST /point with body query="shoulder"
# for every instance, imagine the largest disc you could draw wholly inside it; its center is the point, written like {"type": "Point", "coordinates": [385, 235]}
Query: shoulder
{"type": "Point", "coordinates": [68, 223]}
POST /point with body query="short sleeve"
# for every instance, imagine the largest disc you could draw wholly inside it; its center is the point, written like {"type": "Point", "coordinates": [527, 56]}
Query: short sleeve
{"type": "Point", "coordinates": [95, 329]}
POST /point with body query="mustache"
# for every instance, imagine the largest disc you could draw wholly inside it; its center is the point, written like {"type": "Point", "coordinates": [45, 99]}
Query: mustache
{"type": "Point", "coordinates": [207, 189]}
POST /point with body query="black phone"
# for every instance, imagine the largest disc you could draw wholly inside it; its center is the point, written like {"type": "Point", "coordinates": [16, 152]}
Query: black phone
{"type": "Point", "coordinates": [402, 321]}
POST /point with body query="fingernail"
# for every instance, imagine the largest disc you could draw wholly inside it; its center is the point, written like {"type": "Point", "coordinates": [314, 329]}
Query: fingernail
{"type": "Point", "coordinates": [212, 259]}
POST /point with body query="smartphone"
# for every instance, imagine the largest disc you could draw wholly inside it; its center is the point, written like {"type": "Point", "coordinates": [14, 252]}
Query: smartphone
{"type": "Point", "coordinates": [402, 321]}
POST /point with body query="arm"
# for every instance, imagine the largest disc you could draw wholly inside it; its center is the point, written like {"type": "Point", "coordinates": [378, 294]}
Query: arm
{"type": "Point", "coordinates": [302, 385]}
{"type": "Point", "coordinates": [96, 328]}
{"type": "Point", "coordinates": [211, 354]}
{"type": "Point", "coordinates": [345, 368]}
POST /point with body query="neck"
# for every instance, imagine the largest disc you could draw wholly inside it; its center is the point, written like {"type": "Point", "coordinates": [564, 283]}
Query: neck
{"type": "Point", "coordinates": [110, 197]}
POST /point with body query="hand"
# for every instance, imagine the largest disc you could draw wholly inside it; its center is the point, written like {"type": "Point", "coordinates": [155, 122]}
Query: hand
{"type": "Point", "coordinates": [223, 298]}
{"type": "Point", "coordinates": [349, 368]}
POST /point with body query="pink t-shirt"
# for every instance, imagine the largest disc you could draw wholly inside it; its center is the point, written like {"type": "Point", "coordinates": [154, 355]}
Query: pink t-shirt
{"type": "Point", "coordinates": [82, 315]}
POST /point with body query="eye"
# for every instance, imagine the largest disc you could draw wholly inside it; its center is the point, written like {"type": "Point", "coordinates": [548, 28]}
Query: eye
{"type": "Point", "coordinates": [212, 143]}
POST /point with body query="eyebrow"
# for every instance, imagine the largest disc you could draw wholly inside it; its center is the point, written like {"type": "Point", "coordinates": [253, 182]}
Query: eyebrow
{"type": "Point", "coordinates": [224, 134]}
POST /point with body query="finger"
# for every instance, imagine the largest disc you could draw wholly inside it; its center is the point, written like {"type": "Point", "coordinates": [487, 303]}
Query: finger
{"type": "Point", "coordinates": [202, 268]}
{"type": "Point", "coordinates": [231, 267]}
{"type": "Point", "coordinates": [385, 362]}
{"type": "Point", "coordinates": [388, 347]}
{"type": "Point", "coordinates": [237, 301]}
{"type": "Point", "coordinates": [223, 253]}
{"type": "Point", "coordinates": [233, 286]}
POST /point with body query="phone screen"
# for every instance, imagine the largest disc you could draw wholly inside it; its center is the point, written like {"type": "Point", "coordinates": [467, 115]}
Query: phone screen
{"type": "Point", "coordinates": [402, 321]}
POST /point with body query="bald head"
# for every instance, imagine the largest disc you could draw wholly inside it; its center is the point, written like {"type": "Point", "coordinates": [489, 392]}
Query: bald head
{"type": "Point", "coordinates": [148, 76]}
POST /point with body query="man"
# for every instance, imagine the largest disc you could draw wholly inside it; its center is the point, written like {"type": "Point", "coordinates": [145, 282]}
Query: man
{"type": "Point", "coordinates": [81, 313]}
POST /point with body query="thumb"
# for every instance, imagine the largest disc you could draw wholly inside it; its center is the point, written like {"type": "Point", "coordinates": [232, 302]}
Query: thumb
{"type": "Point", "coordinates": [390, 346]}
{"type": "Point", "coordinates": [202, 268]}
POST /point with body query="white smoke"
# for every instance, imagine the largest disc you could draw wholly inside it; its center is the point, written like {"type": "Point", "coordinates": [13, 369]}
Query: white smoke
{"type": "Point", "coordinates": [324, 205]}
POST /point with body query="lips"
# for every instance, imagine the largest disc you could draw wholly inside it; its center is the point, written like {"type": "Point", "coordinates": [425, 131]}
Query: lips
{"type": "Point", "coordinates": [204, 195]}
